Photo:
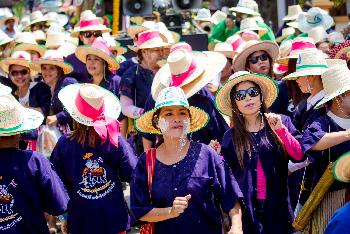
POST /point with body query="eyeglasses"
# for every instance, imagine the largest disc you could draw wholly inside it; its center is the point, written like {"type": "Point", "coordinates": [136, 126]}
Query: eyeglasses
{"type": "Point", "coordinates": [22, 72]}
{"type": "Point", "coordinates": [254, 60]}
{"type": "Point", "coordinates": [88, 34]}
{"type": "Point", "coordinates": [241, 94]}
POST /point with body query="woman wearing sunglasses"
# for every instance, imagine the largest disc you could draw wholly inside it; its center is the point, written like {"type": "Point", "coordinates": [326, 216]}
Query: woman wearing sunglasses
{"type": "Point", "coordinates": [257, 149]}
{"type": "Point", "coordinates": [258, 57]}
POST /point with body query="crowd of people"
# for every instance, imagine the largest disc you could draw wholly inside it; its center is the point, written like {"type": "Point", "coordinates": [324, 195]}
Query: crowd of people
{"type": "Point", "coordinates": [251, 136]}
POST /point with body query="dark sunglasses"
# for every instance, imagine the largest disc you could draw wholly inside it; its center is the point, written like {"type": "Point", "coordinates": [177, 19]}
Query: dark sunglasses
{"type": "Point", "coordinates": [262, 57]}
{"type": "Point", "coordinates": [22, 72]}
{"type": "Point", "coordinates": [241, 94]}
{"type": "Point", "coordinates": [88, 34]}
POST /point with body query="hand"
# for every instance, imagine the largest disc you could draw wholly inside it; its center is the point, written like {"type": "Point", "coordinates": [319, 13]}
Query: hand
{"type": "Point", "coordinates": [179, 205]}
{"type": "Point", "coordinates": [215, 145]}
{"type": "Point", "coordinates": [51, 120]}
{"type": "Point", "coordinates": [274, 121]}
{"type": "Point", "coordinates": [235, 231]}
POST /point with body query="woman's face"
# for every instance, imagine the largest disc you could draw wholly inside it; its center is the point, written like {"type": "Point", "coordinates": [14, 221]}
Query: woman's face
{"type": "Point", "coordinates": [174, 121]}
{"type": "Point", "coordinates": [94, 65]}
{"type": "Point", "coordinates": [19, 75]}
{"type": "Point", "coordinates": [259, 62]}
{"type": "Point", "coordinates": [151, 57]}
{"type": "Point", "coordinates": [304, 84]}
{"type": "Point", "coordinates": [34, 54]}
{"type": "Point", "coordinates": [247, 98]}
{"type": "Point", "coordinates": [50, 73]}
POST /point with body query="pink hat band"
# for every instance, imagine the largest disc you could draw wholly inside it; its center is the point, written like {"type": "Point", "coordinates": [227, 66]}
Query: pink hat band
{"type": "Point", "coordinates": [147, 36]}
{"type": "Point", "coordinates": [300, 45]}
{"type": "Point", "coordinates": [177, 80]}
{"type": "Point", "coordinates": [237, 43]}
{"type": "Point", "coordinates": [87, 23]}
{"type": "Point", "coordinates": [100, 44]}
{"type": "Point", "coordinates": [183, 46]}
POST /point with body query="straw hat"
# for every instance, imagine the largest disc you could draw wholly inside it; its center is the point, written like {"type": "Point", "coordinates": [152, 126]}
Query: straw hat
{"type": "Point", "coordinates": [39, 35]}
{"type": "Point", "coordinates": [286, 32]}
{"type": "Point", "coordinates": [298, 45]}
{"type": "Point", "coordinates": [341, 51]}
{"type": "Point", "coordinates": [35, 17]}
{"type": "Point", "coordinates": [335, 82]}
{"type": "Point", "coordinates": [95, 96]}
{"type": "Point", "coordinates": [293, 12]}
{"type": "Point", "coordinates": [99, 48]}
{"type": "Point", "coordinates": [225, 49]}
{"type": "Point", "coordinates": [4, 38]}
{"type": "Point", "coordinates": [318, 34]}
{"type": "Point", "coordinates": [172, 96]}
{"type": "Point", "coordinates": [203, 15]}
{"type": "Point", "coordinates": [190, 71]}
{"type": "Point", "coordinates": [133, 30]}
{"type": "Point", "coordinates": [16, 119]}
{"type": "Point", "coordinates": [55, 40]}
{"type": "Point", "coordinates": [335, 62]}
{"type": "Point", "coordinates": [341, 169]}
{"type": "Point", "coordinates": [310, 62]}
{"type": "Point", "coordinates": [89, 22]}
{"type": "Point", "coordinates": [236, 42]}
{"type": "Point", "coordinates": [336, 37]}
{"type": "Point", "coordinates": [314, 17]}
{"type": "Point", "coordinates": [4, 89]}
{"type": "Point", "coordinates": [113, 44]}
{"type": "Point", "coordinates": [8, 16]}
{"type": "Point", "coordinates": [250, 35]}
{"type": "Point", "coordinates": [67, 48]}
{"type": "Point", "coordinates": [267, 86]}
{"type": "Point", "coordinates": [26, 41]}
{"type": "Point", "coordinates": [52, 57]}
{"type": "Point", "coordinates": [218, 16]}
{"type": "Point", "coordinates": [149, 39]}
{"type": "Point", "coordinates": [231, 47]}
{"type": "Point", "coordinates": [248, 7]}
{"type": "Point", "coordinates": [249, 24]}
{"type": "Point", "coordinates": [252, 46]}
{"type": "Point", "coordinates": [21, 58]}
{"type": "Point", "coordinates": [60, 19]}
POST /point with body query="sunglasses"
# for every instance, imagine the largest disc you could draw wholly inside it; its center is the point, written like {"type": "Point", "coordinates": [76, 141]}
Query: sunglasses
{"type": "Point", "coordinates": [22, 72]}
{"type": "Point", "coordinates": [241, 94]}
{"type": "Point", "coordinates": [88, 34]}
{"type": "Point", "coordinates": [254, 60]}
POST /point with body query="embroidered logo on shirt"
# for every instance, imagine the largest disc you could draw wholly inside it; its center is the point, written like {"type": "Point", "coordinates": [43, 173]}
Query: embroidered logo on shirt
{"type": "Point", "coordinates": [8, 217]}
{"type": "Point", "coordinates": [95, 184]}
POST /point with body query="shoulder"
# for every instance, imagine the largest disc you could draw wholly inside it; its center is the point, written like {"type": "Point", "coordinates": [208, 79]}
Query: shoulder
{"type": "Point", "coordinates": [226, 139]}
{"type": "Point", "coordinates": [40, 86]}
{"type": "Point", "coordinates": [68, 80]}
{"type": "Point", "coordinates": [130, 72]}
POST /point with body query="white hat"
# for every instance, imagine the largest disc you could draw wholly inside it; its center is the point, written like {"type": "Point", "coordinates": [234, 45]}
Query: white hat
{"type": "Point", "coordinates": [318, 34]}
{"type": "Point", "coordinates": [225, 49]}
{"type": "Point", "coordinates": [293, 24]}
{"type": "Point", "coordinates": [293, 12]}
{"type": "Point", "coordinates": [4, 38]}
{"type": "Point", "coordinates": [203, 15]}
{"type": "Point", "coordinates": [7, 15]}
{"type": "Point", "coordinates": [249, 24]}
{"type": "Point", "coordinates": [26, 41]}
{"type": "Point", "coordinates": [218, 16]}
{"type": "Point", "coordinates": [35, 17]}
{"type": "Point", "coordinates": [335, 82]}
{"type": "Point", "coordinates": [39, 35]}
{"type": "Point", "coordinates": [16, 119]}
{"type": "Point", "coordinates": [249, 7]}
{"type": "Point", "coordinates": [335, 62]}
{"type": "Point", "coordinates": [55, 39]}
{"type": "Point", "coordinates": [89, 22]}
{"type": "Point", "coordinates": [149, 39]}
{"type": "Point", "coordinates": [52, 57]}
{"type": "Point", "coordinates": [60, 19]}
{"type": "Point", "coordinates": [4, 89]}
{"type": "Point", "coordinates": [286, 32]}
{"type": "Point", "coordinates": [67, 48]}
{"type": "Point", "coordinates": [314, 17]}
{"type": "Point", "coordinates": [336, 37]}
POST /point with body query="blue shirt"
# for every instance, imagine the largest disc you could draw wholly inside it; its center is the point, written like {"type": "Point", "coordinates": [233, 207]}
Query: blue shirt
{"type": "Point", "coordinates": [339, 223]}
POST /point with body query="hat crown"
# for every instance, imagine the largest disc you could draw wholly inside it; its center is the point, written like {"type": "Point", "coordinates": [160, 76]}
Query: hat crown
{"type": "Point", "coordinates": [288, 31]}
{"type": "Point", "coordinates": [223, 46]}
{"type": "Point", "coordinates": [21, 55]}
{"type": "Point", "coordinates": [311, 59]}
{"type": "Point", "coordinates": [335, 62]}
{"type": "Point", "coordinates": [147, 36]}
{"type": "Point", "coordinates": [92, 95]}
{"type": "Point", "coordinates": [248, 23]}
{"type": "Point", "coordinates": [336, 78]}
{"type": "Point", "coordinates": [171, 96]}
{"type": "Point", "coordinates": [26, 37]}
{"type": "Point", "coordinates": [203, 13]}
{"type": "Point", "coordinates": [10, 112]}
{"type": "Point", "coordinates": [251, 4]}
{"type": "Point", "coordinates": [87, 15]}
{"type": "Point", "coordinates": [314, 15]}
{"type": "Point", "coordinates": [317, 34]}
{"type": "Point", "coordinates": [52, 55]}
{"type": "Point", "coordinates": [179, 61]}
{"type": "Point", "coordinates": [36, 15]}
{"type": "Point", "coordinates": [101, 44]}
{"type": "Point", "coordinates": [181, 45]}
{"type": "Point", "coordinates": [294, 10]}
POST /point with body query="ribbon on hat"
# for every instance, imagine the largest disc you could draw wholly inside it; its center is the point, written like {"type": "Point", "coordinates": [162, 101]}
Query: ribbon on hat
{"type": "Point", "coordinates": [237, 43]}
{"type": "Point", "coordinates": [99, 119]}
{"type": "Point", "coordinates": [177, 80]}
{"type": "Point", "coordinates": [86, 23]}
{"type": "Point", "coordinates": [146, 36]}
{"type": "Point", "coordinates": [300, 45]}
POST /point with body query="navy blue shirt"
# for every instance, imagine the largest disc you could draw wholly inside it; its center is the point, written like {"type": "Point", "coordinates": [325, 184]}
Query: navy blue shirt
{"type": "Point", "coordinates": [303, 118]}
{"type": "Point", "coordinates": [124, 66]}
{"type": "Point", "coordinates": [201, 173]}
{"type": "Point", "coordinates": [28, 188]}
{"type": "Point", "coordinates": [93, 179]}
{"type": "Point", "coordinates": [339, 222]}
{"type": "Point", "coordinates": [283, 104]}
{"type": "Point", "coordinates": [80, 72]}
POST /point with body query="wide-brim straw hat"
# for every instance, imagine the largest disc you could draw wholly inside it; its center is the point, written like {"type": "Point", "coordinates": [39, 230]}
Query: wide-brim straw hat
{"type": "Point", "coordinates": [309, 63]}
{"type": "Point", "coordinates": [225, 49]}
{"type": "Point", "coordinates": [4, 89]}
{"type": "Point", "coordinates": [335, 82]}
{"type": "Point", "coordinates": [248, 7]}
{"type": "Point", "coordinates": [89, 22]}
{"type": "Point", "coordinates": [335, 62]}
{"type": "Point", "coordinates": [268, 87]}
{"type": "Point", "coordinates": [209, 64]}
{"type": "Point", "coordinates": [341, 169]}
{"type": "Point", "coordinates": [286, 32]}
{"type": "Point", "coordinates": [35, 17]}
{"type": "Point", "coordinates": [61, 19]}
{"type": "Point", "coordinates": [55, 40]}
{"type": "Point", "coordinates": [172, 96]}
{"type": "Point", "coordinates": [27, 47]}
{"type": "Point", "coordinates": [252, 46]}
{"type": "Point", "coordinates": [3, 20]}
{"type": "Point", "coordinates": [16, 119]}
{"type": "Point", "coordinates": [100, 49]}
{"type": "Point", "coordinates": [39, 35]}
{"type": "Point", "coordinates": [314, 17]}
{"type": "Point", "coordinates": [318, 34]}
{"type": "Point", "coordinates": [21, 58]}
{"type": "Point", "coordinates": [4, 38]}
{"type": "Point", "coordinates": [293, 12]}
{"type": "Point", "coordinates": [67, 48]}
{"type": "Point", "coordinates": [249, 24]}
{"type": "Point", "coordinates": [149, 39]}
{"type": "Point", "coordinates": [203, 15]}
{"type": "Point", "coordinates": [52, 57]}
{"type": "Point", "coordinates": [341, 51]}
{"type": "Point", "coordinates": [93, 95]}
{"type": "Point", "coordinates": [119, 49]}
{"type": "Point", "coordinates": [218, 16]}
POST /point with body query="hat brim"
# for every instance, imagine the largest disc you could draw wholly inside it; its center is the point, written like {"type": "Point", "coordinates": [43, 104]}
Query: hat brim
{"type": "Point", "coordinates": [267, 85]}
{"type": "Point", "coordinates": [78, 30]}
{"type": "Point", "coordinates": [290, 17]}
{"type": "Point", "coordinates": [5, 89]}
{"type": "Point", "coordinates": [331, 96]}
{"type": "Point", "coordinates": [82, 51]}
{"type": "Point", "coordinates": [3, 21]}
{"type": "Point", "coordinates": [268, 46]}
{"type": "Point", "coordinates": [120, 50]}
{"type": "Point", "coordinates": [341, 169]}
{"type": "Point", "coordinates": [7, 40]}
{"type": "Point", "coordinates": [133, 30]}
{"type": "Point", "coordinates": [27, 27]}
{"type": "Point", "coordinates": [199, 119]}
{"type": "Point", "coordinates": [305, 27]}
{"type": "Point", "coordinates": [244, 10]}
{"type": "Point", "coordinates": [66, 67]}
{"type": "Point", "coordinates": [305, 72]}
{"type": "Point", "coordinates": [7, 62]}
{"type": "Point", "coordinates": [26, 47]}
{"type": "Point", "coordinates": [261, 31]}
{"type": "Point", "coordinates": [32, 119]}
{"type": "Point", "coordinates": [68, 94]}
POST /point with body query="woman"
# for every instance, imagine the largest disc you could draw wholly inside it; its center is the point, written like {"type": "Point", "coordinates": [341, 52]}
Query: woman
{"type": "Point", "coordinates": [197, 181]}
{"type": "Point", "coordinates": [29, 186]}
{"type": "Point", "coordinates": [258, 57]}
{"type": "Point", "coordinates": [257, 150]}
{"type": "Point", "coordinates": [325, 140]}
{"type": "Point", "coordinates": [93, 161]}
{"type": "Point", "coordinates": [53, 69]}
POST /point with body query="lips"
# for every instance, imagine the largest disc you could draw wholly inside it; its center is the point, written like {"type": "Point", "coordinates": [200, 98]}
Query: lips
{"type": "Point", "coordinates": [249, 105]}
{"type": "Point", "coordinates": [178, 127]}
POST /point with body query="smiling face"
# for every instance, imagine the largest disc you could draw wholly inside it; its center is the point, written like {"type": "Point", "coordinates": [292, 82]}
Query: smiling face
{"type": "Point", "coordinates": [247, 98]}
{"type": "Point", "coordinates": [19, 75]}
{"type": "Point", "coordinates": [174, 121]}
{"type": "Point", "coordinates": [259, 62]}
{"type": "Point", "coordinates": [50, 73]}
{"type": "Point", "coordinates": [94, 65]}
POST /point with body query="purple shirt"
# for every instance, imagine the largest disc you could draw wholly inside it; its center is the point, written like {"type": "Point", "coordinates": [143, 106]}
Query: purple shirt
{"type": "Point", "coordinates": [93, 179]}
{"type": "Point", "coordinates": [201, 173]}
{"type": "Point", "coordinates": [28, 188]}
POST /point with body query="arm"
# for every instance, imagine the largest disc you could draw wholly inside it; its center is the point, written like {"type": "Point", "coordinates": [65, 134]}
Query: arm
{"type": "Point", "coordinates": [292, 145]}
{"type": "Point", "coordinates": [128, 107]}
{"type": "Point", "coordinates": [236, 219]}
{"type": "Point", "coordinates": [331, 139]}
{"type": "Point", "coordinates": [126, 160]}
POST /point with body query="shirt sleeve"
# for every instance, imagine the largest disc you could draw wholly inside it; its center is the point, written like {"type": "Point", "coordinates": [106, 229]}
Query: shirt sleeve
{"type": "Point", "coordinates": [43, 96]}
{"type": "Point", "coordinates": [57, 160]}
{"type": "Point", "coordinates": [312, 135]}
{"type": "Point", "coordinates": [127, 160]}
{"type": "Point", "coordinates": [127, 83]}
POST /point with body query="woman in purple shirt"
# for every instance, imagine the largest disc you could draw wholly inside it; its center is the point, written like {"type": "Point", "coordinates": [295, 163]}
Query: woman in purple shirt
{"type": "Point", "coordinates": [190, 183]}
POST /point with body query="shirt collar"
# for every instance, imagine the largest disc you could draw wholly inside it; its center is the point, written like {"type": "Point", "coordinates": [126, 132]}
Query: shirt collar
{"type": "Point", "coordinates": [313, 100]}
